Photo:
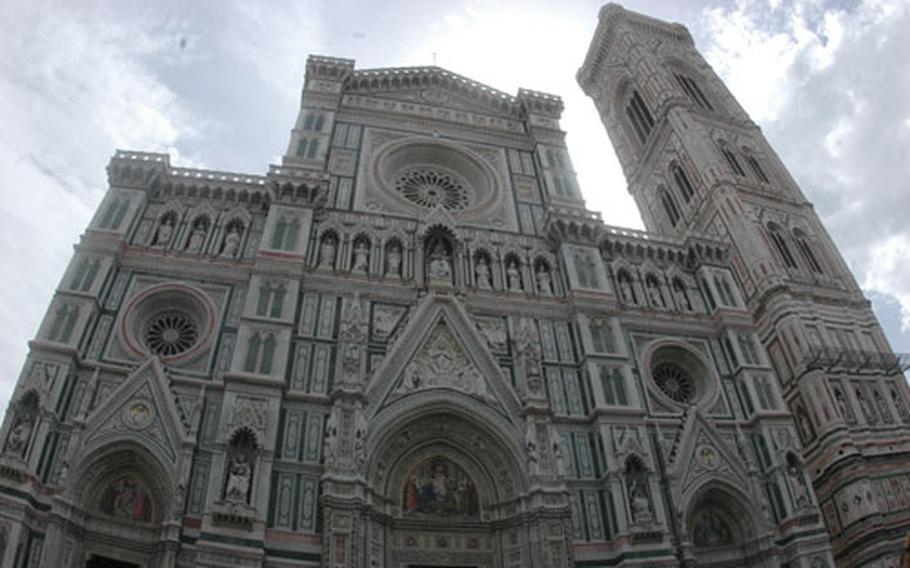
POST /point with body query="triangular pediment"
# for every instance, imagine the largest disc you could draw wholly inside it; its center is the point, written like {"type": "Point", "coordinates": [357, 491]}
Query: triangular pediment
{"type": "Point", "coordinates": [441, 350]}
{"type": "Point", "coordinates": [432, 86]}
{"type": "Point", "coordinates": [703, 455]}
{"type": "Point", "coordinates": [142, 409]}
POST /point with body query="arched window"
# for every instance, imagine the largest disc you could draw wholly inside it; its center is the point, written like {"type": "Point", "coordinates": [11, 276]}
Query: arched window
{"type": "Point", "coordinates": [756, 168]}
{"type": "Point", "coordinates": [286, 232]}
{"type": "Point", "coordinates": [691, 88]}
{"type": "Point", "coordinates": [63, 324]}
{"type": "Point", "coordinates": [682, 182]}
{"type": "Point", "coordinates": [320, 120]}
{"type": "Point", "coordinates": [311, 151]}
{"type": "Point", "coordinates": [669, 207]}
{"type": "Point", "coordinates": [780, 243]}
{"type": "Point", "coordinates": [708, 295]}
{"type": "Point", "coordinates": [114, 214]}
{"type": "Point", "coordinates": [301, 147]}
{"type": "Point", "coordinates": [805, 249]}
{"type": "Point", "coordinates": [732, 161]}
{"type": "Point", "coordinates": [260, 353]}
{"type": "Point", "coordinates": [601, 336]}
{"type": "Point", "coordinates": [639, 116]}
{"type": "Point", "coordinates": [614, 386]}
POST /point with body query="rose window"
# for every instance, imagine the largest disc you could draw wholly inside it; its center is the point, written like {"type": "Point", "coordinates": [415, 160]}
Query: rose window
{"type": "Point", "coordinates": [674, 382]}
{"type": "Point", "coordinates": [171, 333]}
{"type": "Point", "coordinates": [431, 187]}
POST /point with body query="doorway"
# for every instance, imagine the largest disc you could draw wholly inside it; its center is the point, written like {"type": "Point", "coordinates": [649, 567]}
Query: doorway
{"type": "Point", "coordinates": [96, 561]}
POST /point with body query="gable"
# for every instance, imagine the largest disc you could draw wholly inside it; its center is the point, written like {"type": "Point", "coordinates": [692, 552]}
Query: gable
{"type": "Point", "coordinates": [142, 410]}
{"type": "Point", "coordinates": [702, 454]}
{"type": "Point", "coordinates": [441, 350]}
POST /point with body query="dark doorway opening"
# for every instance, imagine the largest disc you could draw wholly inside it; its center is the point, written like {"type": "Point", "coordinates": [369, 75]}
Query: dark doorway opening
{"type": "Point", "coordinates": [104, 562]}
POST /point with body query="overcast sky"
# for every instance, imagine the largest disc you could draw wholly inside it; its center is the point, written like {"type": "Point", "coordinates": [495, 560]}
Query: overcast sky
{"type": "Point", "coordinates": [216, 84]}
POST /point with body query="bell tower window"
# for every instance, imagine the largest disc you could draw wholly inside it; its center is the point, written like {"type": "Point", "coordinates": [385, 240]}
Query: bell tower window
{"type": "Point", "coordinates": [691, 88]}
{"type": "Point", "coordinates": [639, 116]}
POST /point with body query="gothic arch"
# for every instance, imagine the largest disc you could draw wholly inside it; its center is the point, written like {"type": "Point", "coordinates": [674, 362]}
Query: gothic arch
{"type": "Point", "coordinates": [723, 526]}
{"type": "Point", "coordinates": [449, 427]}
{"type": "Point", "coordinates": [92, 475]}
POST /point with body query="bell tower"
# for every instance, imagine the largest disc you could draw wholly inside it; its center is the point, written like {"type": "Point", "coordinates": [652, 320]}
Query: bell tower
{"type": "Point", "coordinates": [695, 163]}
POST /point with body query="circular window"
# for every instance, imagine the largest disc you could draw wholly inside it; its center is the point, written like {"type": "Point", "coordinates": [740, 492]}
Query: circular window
{"type": "Point", "coordinates": [679, 375]}
{"type": "Point", "coordinates": [674, 382]}
{"type": "Point", "coordinates": [434, 173]}
{"type": "Point", "coordinates": [173, 321]}
{"type": "Point", "coordinates": [433, 187]}
{"type": "Point", "coordinates": [171, 333]}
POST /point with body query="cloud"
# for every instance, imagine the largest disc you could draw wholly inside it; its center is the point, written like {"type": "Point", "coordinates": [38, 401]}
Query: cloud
{"type": "Point", "coordinates": [73, 87]}
{"type": "Point", "coordinates": [825, 80]}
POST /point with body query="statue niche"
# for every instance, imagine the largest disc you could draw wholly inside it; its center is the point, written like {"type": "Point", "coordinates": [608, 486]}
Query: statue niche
{"type": "Point", "coordinates": [439, 486]}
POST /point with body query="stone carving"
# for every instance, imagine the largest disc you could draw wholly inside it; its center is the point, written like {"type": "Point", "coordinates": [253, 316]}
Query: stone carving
{"type": "Point", "coordinates": [443, 363]}
{"type": "Point", "coordinates": [865, 405]}
{"type": "Point", "coordinates": [239, 477]}
{"type": "Point", "coordinates": [482, 274]}
{"type": "Point", "coordinates": [231, 243]}
{"type": "Point", "coordinates": [556, 448]}
{"type": "Point", "coordinates": [544, 285]}
{"type": "Point", "coordinates": [639, 503]}
{"type": "Point", "coordinates": [327, 253]}
{"type": "Point", "coordinates": [164, 232]}
{"type": "Point", "coordinates": [26, 411]}
{"type": "Point", "coordinates": [529, 350]}
{"type": "Point", "coordinates": [883, 409]}
{"type": "Point", "coordinates": [385, 318]}
{"type": "Point", "coordinates": [139, 414]}
{"type": "Point", "coordinates": [361, 258]}
{"type": "Point", "coordinates": [513, 275]}
{"type": "Point", "coordinates": [197, 238]}
{"type": "Point", "coordinates": [655, 294]}
{"type": "Point", "coordinates": [843, 405]}
{"type": "Point", "coordinates": [531, 447]}
{"type": "Point", "coordinates": [798, 483]}
{"type": "Point", "coordinates": [353, 337]}
{"type": "Point", "coordinates": [330, 443]}
{"type": "Point", "coordinates": [250, 413]}
{"type": "Point", "coordinates": [360, 434]}
{"type": "Point", "coordinates": [393, 260]}
{"type": "Point", "coordinates": [494, 331]}
{"type": "Point", "coordinates": [439, 267]}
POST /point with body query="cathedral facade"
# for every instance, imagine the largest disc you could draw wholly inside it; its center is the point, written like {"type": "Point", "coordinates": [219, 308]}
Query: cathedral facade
{"type": "Point", "coordinates": [410, 345]}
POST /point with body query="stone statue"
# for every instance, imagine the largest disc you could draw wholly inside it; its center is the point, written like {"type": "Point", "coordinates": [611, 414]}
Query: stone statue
{"type": "Point", "coordinates": [394, 261]}
{"type": "Point", "coordinates": [361, 258]}
{"type": "Point", "coordinates": [231, 244]}
{"type": "Point", "coordinates": [440, 269]}
{"type": "Point", "coordinates": [639, 503]}
{"type": "Point", "coordinates": [330, 443]}
{"type": "Point", "coordinates": [866, 406]}
{"type": "Point", "coordinates": [239, 477]}
{"type": "Point", "coordinates": [197, 238]}
{"type": "Point", "coordinates": [533, 453]}
{"type": "Point", "coordinates": [544, 285]}
{"type": "Point", "coordinates": [20, 436]}
{"type": "Point", "coordinates": [165, 230]}
{"type": "Point", "coordinates": [625, 290]}
{"type": "Point", "coordinates": [800, 491]}
{"type": "Point", "coordinates": [682, 298]}
{"type": "Point", "coordinates": [514, 277]}
{"type": "Point", "coordinates": [327, 253]}
{"type": "Point", "coordinates": [657, 298]}
{"type": "Point", "coordinates": [360, 434]}
{"type": "Point", "coordinates": [558, 458]}
{"type": "Point", "coordinates": [482, 274]}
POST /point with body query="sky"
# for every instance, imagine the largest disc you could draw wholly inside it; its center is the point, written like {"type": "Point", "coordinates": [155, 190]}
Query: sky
{"type": "Point", "coordinates": [216, 84]}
